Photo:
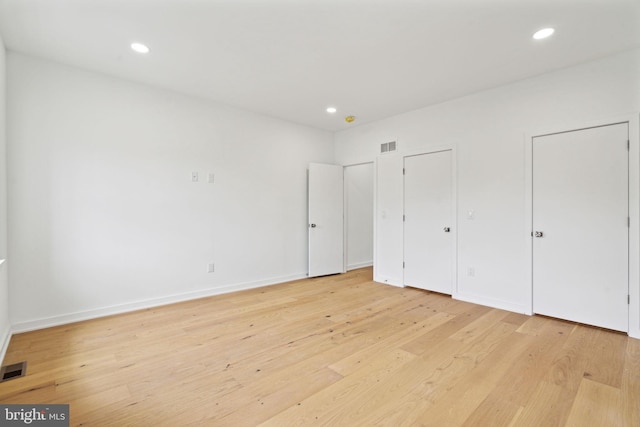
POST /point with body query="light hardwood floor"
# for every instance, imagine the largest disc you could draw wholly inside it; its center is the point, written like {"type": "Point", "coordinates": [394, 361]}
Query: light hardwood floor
{"type": "Point", "coordinates": [333, 351]}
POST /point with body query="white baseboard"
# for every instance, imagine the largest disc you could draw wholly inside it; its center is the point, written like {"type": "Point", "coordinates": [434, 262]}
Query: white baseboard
{"type": "Point", "coordinates": [494, 303]}
{"type": "Point", "coordinates": [64, 319]}
{"type": "Point", "coordinates": [388, 281]}
{"type": "Point", "coordinates": [357, 265]}
{"type": "Point", "coordinates": [5, 338]}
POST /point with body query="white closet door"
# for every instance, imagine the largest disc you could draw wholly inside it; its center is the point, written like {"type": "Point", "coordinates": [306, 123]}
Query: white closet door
{"type": "Point", "coordinates": [581, 234]}
{"type": "Point", "coordinates": [326, 219]}
{"type": "Point", "coordinates": [428, 225]}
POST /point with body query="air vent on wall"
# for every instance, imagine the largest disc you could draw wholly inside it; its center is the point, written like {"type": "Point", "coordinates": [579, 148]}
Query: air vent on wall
{"type": "Point", "coordinates": [387, 147]}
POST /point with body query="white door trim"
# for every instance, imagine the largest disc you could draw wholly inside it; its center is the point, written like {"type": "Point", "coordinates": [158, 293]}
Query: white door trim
{"type": "Point", "coordinates": [454, 208]}
{"type": "Point", "coordinates": [634, 208]}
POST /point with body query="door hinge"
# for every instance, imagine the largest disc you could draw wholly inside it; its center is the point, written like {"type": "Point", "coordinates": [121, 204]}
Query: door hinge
{"type": "Point", "coordinates": [628, 145]}
{"type": "Point", "coordinates": [402, 264]}
{"type": "Point", "coordinates": [403, 171]}
{"type": "Point", "coordinates": [404, 218]}
{"type": "Point", "coordinates": [628, 299]}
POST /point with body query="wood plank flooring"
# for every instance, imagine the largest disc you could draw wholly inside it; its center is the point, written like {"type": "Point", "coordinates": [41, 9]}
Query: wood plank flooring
{"type": "Point", "coordinates": [334, 351]}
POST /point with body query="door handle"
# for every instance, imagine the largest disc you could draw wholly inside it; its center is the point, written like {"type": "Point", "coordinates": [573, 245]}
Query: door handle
{"type": "Point", "coordinates": [447, 229]}
{"type": "Point", "coordinates": [538, 234]}
{"type": "Point", "coordinates": [312, 225]}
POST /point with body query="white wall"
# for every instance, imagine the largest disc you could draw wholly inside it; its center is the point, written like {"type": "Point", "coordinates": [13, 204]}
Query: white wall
{"type": "Point", "coordinates": [104, 218]}
{"type": "Point", "coordinates": [359, 215]}
{"type": "Point", "coordinates": [5, 325]}
{"type": "Point", "coordinates": [103, 215]}
{"type": "Point", "coordinates": [488, 129]}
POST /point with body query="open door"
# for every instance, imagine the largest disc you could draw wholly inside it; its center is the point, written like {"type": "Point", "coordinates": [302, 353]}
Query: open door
{"type": "Point", "coordinates": [326, 219]}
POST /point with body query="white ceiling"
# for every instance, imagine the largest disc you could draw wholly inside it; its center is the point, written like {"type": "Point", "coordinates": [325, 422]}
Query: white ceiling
{"type": "Point", "coordinates": [293, 58]}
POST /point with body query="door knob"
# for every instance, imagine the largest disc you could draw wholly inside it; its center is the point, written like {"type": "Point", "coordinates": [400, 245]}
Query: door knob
{"type": "Point", "coordinates": [447, 229]}
{"type": "Point", "coordinates": [539, 234]}
{"type": "Point", "coordinates": [312, 225]}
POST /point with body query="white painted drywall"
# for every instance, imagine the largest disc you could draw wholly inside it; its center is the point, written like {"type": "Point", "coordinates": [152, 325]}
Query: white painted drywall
{"type": "Point", "coordinates": [388, 226]}
{"type": "Point", "coordinates": [358, 181]}
{"type": "Point", "coordinates": [488, 129]}
{"type": "Point", "coordinates": [102, 211]}
{"type": "Point", "coordinates": [5, 325]}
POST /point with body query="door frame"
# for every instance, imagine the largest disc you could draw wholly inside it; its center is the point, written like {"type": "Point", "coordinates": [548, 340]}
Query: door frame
{"type": "Point", "coordinates": [454, 208]}
{"type": "Point", "coordinates": [634, 207]}
{"type": "Point", "coordinates": [346, 212]}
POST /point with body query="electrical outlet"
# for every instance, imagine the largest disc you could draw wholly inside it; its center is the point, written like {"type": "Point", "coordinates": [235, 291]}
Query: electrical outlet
{"type": "Point", "coordinates": [211, 268]}
{"type": "Point", "coordinates": [211, 177]}
{"type": "Point", "coordinates": [194, 176]}
{"type": "Point", "coordinates": [471, 272]}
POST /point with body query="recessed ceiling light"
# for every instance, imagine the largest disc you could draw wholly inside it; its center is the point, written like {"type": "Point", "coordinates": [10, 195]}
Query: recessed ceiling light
{"type": "Point", "coordinates": [331, 110]}
{"type": "Point", "coordinates": [543, 34]}
{"type": "Point", "coordinates": [140, 48]}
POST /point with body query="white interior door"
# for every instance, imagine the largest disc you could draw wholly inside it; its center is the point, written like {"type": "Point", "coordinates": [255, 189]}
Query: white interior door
{"type": "Point", "coordinates": [428, 221]}
{"type": "Point", "coordinates": [326, 219]}
{"type": "Point", "coordinates": [580, 225]}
